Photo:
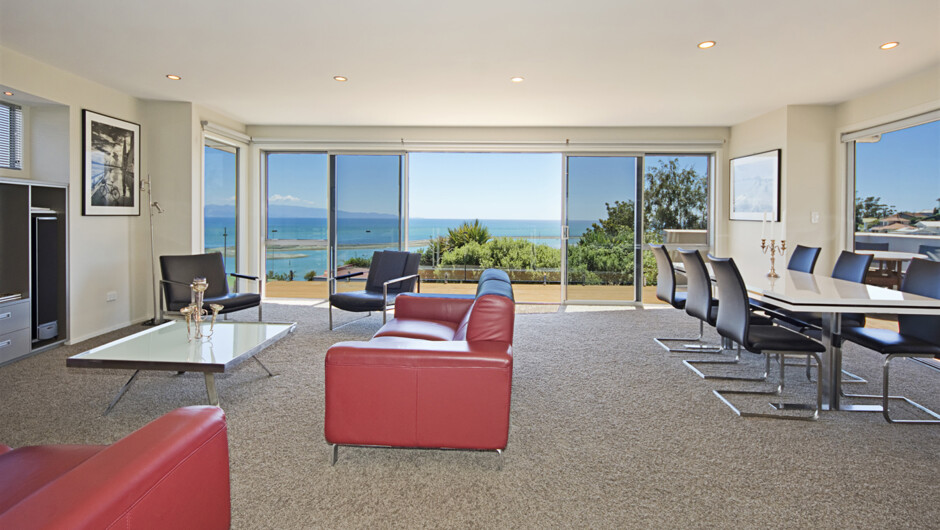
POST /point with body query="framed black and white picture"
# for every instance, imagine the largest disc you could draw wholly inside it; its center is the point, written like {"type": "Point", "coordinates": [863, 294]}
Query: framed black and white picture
{"type": "Point", "coordinates": [755, 187]}
{"type": "Point", "coordinates": [111, 176]}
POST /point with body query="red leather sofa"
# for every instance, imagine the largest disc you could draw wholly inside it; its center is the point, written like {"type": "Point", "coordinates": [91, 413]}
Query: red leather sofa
{"type": "Point", "coordinates": [438, 375]}
{"type": "Point", "coordinates": [172, 473]}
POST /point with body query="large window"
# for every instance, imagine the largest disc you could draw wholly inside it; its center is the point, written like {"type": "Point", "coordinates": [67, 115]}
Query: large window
{"type": "Point", "coordinates": [471, 211]}
{"type": "Point", "coordinates": [221, 201]}
{"type": "Point", "coordinates": [11, 136]}
{"type": "Point", "coordinates": [897, 193]}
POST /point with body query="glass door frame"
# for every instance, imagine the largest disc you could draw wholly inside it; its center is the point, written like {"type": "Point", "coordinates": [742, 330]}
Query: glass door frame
{"type": "Point", "coordinates": [637, 228]}
{"type": "Point", "coordinates": [240, 237]}
{"type": "Point", "coordinates": [332, 201]}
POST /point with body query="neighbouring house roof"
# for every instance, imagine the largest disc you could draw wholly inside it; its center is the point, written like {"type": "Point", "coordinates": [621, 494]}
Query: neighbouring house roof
{"type": "Point", "coordinates": [896, 218]}
{"type": "Point", "coordinates": [890, 228]}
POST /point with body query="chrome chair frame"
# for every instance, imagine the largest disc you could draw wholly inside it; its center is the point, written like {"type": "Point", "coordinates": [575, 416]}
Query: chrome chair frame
{"type": "Point", "coordinates": [385, 304]}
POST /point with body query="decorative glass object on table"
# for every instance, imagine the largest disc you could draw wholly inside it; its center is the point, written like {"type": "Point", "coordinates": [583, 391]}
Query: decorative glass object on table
{"type": "Point", "coordinates": [195, 312]}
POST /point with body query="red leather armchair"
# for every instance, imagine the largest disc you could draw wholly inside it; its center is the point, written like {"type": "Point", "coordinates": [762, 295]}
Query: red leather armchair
{"type": "Point", "coordinates": [438, 375]}
{"type": "Point", "coordinates": [172, 473]}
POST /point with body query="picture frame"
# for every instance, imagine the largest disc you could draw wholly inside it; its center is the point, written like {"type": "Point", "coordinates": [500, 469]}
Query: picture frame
{"type": "Point", "coordinates": [111, 165]}
{"type": "Point", "coordinates": [755, 187]}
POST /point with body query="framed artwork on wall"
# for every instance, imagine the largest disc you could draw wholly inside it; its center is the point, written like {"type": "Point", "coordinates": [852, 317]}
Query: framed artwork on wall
{"type": "Point", "coordinates": [755, 187]}
{"type": "Point", "coordinates": [111, 165]}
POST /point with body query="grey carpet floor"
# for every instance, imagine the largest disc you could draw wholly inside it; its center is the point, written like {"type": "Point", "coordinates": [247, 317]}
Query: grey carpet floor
{"type": "Point", "coordinates": [608, 431]}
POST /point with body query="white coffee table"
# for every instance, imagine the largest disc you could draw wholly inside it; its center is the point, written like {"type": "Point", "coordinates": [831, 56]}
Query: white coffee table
{"type": "Point", "coordinates": [167, 347]}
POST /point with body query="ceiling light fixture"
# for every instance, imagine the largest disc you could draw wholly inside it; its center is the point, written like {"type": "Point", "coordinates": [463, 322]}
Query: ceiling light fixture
{"type": "Point", "coordinates": [174, 77]}
{"type": "Point", "coordinates": [340, 78]}
{"type": "Point", "coordinates": [517, 79]}
{"type": "Point", "coordinates": [707, 44]}
{"type": "Point", "coordinates": [8, 93]}
{"type": "Point", "coordinates": [889, 45]}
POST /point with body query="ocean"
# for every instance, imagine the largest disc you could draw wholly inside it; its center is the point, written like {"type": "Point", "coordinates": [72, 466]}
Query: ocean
{"type": "Point", "coordinates": [361, 237]}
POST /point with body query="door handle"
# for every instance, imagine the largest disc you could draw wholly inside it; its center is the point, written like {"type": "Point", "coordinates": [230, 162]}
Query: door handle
{"type": "Point", "coordinates": [6, 315]}
{"type": "Point", "coordinates": [5, 343]}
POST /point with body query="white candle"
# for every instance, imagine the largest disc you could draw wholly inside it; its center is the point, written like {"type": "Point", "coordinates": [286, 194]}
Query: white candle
{"type": "Point", "coordinates": [763, 227]}
{"type": "Point", "coordinates": [772, 223]}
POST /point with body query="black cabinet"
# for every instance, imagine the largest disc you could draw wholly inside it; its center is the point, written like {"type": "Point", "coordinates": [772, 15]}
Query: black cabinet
{"type": "Point", "coordinates": [33, 256]}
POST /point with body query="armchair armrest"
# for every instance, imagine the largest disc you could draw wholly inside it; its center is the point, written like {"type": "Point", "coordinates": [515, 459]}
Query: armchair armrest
{"type": "Point", "coordinates": [172, 282]}
{"type": "Point", "coordinates": [244, 276]}
{"type": "Point", "coordinates": [398, 280]}
{"type": "Point", "coordinates": [350, 275]}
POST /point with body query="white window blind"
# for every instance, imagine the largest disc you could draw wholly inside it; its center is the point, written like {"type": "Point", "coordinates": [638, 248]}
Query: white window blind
{"type": "Point", "coordinates": [11, 136]}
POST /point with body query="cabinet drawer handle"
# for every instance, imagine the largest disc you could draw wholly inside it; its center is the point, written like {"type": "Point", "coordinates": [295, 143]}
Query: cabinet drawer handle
{"type": "Point", "coordinates": [4, 316]}
{"type": "Point", "coordinates": [5, 343]}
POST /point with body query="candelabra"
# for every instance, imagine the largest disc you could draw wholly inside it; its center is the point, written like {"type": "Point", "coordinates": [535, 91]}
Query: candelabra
{"type": "Point", "coordinates": [773, 248]}
{"type": "Point", "coordinates": [194, 312]}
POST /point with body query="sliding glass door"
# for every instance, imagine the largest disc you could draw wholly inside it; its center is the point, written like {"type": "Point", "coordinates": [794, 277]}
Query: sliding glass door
{"type": "Point", "coordinates": [601, 228]}
{"type": "Point", "coordinates": [367, 211]}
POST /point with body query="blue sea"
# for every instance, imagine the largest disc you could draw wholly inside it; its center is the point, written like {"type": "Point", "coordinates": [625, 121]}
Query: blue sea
{"type": "Point", "coordinates": [369, 235]}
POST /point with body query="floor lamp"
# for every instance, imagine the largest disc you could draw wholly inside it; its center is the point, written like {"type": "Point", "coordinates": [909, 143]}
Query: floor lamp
{"type": "Point", "coordinates": [153, 205]}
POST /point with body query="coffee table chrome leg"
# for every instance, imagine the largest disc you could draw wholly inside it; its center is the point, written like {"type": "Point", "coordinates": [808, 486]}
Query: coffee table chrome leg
{"type": "Point", "coordinates": [263, 366]}
{"type": "Point", "coordinates": [210, 389]}
{"type": "Point", "coordinates": [121, 392]}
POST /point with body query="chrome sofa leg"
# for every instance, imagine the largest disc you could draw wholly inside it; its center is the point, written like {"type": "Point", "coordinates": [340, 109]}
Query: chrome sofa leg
{"type": "Point", "coordinates": [334, 453]}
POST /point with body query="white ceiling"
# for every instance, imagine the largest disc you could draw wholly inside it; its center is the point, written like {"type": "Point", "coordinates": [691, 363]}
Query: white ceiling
{"type": "Point", "coordinates": [439, 62]}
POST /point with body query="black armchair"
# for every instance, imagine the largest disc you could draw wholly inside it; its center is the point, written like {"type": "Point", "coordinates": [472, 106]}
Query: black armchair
{"type": "Point", "coordinates": [390, 273]}
{"type": "Point", "coordinates": [178, 273]}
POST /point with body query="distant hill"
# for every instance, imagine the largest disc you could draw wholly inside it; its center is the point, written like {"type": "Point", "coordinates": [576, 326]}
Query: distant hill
{"type": "Point", "coordinates": [303, 212]}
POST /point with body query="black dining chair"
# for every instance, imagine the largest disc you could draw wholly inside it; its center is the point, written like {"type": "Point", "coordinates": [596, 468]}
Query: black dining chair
{"type": "Point", "coordinates": [932, 253]}
{"type": "Point", "coordinates": [390, 273]}
{"type": "Point", "coordinates": [734, 323]}
{"type": "Point", "coordinates": [666, 291]}
{"type": "Point", "coordinates": [178, 273]}
{"type": "Point", "coordinates": [701, 304]}
{"type": "Point", "coordinates": [850, 267]}
{"type": "Point", "coordinates": [917, 335]}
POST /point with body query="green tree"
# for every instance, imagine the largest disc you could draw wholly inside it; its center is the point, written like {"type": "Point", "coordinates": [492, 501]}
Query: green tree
{"type": "Point", "coordinates": [467, 232]}
{"type": "Point", "coordinates": [870, 207]}
{"type": "Point", "coordinates": [674, 198]}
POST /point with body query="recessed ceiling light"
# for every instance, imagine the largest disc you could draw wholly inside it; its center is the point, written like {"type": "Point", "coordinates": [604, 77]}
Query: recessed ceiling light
{"type": "Point", "coordinates": [517, 79]}
{"type": "Point", "coordinates": [340, 78]}
{"type": "Point", "coordinates": [8, 93]}
{"type": "Point", "coordinates": [889, 45]}
{"type": "Point", "coordinates": [174, 77]}
{"type": "Point", "coordinates": [707, 44]}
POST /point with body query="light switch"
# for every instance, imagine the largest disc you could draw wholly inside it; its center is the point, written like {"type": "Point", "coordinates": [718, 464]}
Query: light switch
{"type": "Point", "coordinates": [814, 217]}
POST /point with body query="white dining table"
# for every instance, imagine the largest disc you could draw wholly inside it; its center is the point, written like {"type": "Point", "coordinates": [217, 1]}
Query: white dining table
{"type": "Point", "coordinates": [800, 291]}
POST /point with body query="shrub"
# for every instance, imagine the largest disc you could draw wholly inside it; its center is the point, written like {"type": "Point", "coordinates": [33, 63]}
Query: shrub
{"type": "Point", "coordinates": [310, 275]}
{"type": "Point", "coordinates": [359, 261]}
{"type": "Point", "coordinates": [468, 232]}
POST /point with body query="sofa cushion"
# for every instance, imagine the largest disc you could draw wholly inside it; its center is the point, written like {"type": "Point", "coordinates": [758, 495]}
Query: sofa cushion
{"type": "Point", "coordinates": [28, 469]}
{"type": "Point", "coordinates": [418, 329]}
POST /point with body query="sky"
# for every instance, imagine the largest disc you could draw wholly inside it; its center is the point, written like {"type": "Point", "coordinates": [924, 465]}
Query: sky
{"type": "Point", "coordinates": [220, 176]}
{"type": "Point", "coordinates": [462, 185]}
{"type": "Point", "coordinates": [903, 168]}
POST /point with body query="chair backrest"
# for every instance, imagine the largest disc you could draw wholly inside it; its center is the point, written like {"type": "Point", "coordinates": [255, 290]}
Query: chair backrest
{"type": "Point", "coordinates": [923, 278]}
{"type": "Point", "coordinates": [184, 268]}
{"type": "Point", "coordinates": [699, 291]}
{"type": "Point", "coordinates": [665, 275]}
{"type": "Point", "coordinates": [864, 245]}
{"type": "Point", "coordinates": [932, 253]}
{"type": "Point", "coordinates": [851, 267]}
{"type": "Point", "coordinates": [390, 264]}
{"type": "Point", "coordinates": [803, 259]}
{"type": "Point", "coordinates": [733, 305]}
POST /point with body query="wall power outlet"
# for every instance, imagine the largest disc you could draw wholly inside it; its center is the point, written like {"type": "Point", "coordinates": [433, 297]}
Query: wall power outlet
{"type": "Point", "coordinates": [112, 296]}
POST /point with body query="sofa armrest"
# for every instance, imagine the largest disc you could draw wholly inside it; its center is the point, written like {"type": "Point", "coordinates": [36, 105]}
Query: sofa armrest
{"type": "Point", "coordinates": [447, 308]}
{"type": "Point", "coordinates": [415, 393]}
{"type": "Point", "coordinates": [171, 473]}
